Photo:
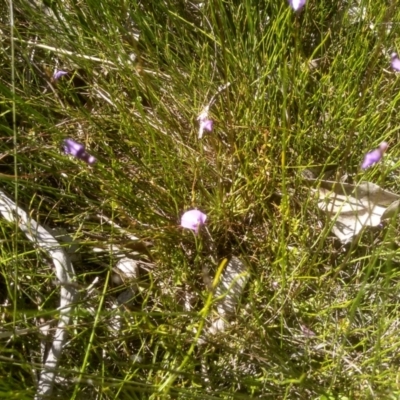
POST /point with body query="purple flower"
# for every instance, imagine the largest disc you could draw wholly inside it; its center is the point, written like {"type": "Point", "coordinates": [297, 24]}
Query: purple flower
{"type": "Point", "coordinates": [58, 74]}
{"type": "Point", "coordinates": [205, 124]}
{"type": "Point", "coordinates": [297, 4]}
{"type": "Point", "coordinates": [77, 150]}
{"type": "Point", "coordinates": [395, 62]}
{"type": "Point", "coordinates": [374, 156]}
{"type": "Point", "coordinates": [192, 219]}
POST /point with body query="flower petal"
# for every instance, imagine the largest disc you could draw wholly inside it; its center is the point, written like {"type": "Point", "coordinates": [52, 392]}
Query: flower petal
{"type": "Point", "coordinates": [395, 62]}
{"type": "Point", "coordinates": [297, 4]}
{"type": "Point", "coordinates": [193, 219]}
{"type": "Point", "coordinates": [374, 156]}
{"type": "Point", "coordinates": [73, 148]}
{"type": "Point", "coordinates": [58, 74]}
{"type": "Point", "coordinates": [78, 150]}
{"type": "Point", "coordinates": [204, 122]}
{"type": "Point", "coordinates": [207, 125]}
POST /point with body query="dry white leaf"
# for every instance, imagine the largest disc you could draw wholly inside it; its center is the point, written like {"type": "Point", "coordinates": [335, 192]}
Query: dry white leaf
{"type": "Point", "coordinates": [128, 268]}
{"type": "Point", "coordinates": [354, 207]}
{"type": "Point", "coordinates": [126, 297]}
{"type": "Point", "coordinates": [127, 271]}
{"type": "Point", "coordinates": [231, 286]}
{"type": "Point", "coordinates": [217, 326]}
{"type": "Point", "coordinates": [228, 292]}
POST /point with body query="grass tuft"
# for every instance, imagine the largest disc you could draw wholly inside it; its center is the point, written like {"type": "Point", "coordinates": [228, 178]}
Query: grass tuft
{"type": "Point", "coordinates": [314, 89]}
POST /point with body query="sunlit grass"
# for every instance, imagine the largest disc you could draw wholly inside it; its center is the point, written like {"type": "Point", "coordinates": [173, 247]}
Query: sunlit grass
{"type": "Point", "coordinates": [312, 89]}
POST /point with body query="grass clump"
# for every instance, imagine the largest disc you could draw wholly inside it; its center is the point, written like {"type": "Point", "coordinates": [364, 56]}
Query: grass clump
{"type": "Point", "coordinates": [317, 320]}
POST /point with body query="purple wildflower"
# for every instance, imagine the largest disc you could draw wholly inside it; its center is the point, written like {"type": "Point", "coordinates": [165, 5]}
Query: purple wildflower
{"type": "Point", "coordinates": [205, 124]}
{"type": "Point", "coordinates": [297, 4]}
{"type": "Point", "coordinates": [374, 156]}
{"type": "Point", "coordinates": [58, 74]}
{"type": "Point", "coordinates": [192, 219]}
{"type": "Point", "coordinates": [77, 150]}
{"type": "Point", "coordinates": [395, 62]}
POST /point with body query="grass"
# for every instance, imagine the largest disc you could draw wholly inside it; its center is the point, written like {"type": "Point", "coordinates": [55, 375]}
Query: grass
{"type": "Point", "coordinates": [312, 89]}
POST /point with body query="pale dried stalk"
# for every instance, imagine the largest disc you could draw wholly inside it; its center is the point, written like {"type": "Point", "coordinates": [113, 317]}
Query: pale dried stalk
{"type": "Point", "coordinates": [65, 273]}
{"type": "Point", "coordinates": [104, 61]}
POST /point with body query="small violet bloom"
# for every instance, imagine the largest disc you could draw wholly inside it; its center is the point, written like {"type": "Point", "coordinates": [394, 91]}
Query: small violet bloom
{"type": "Point", "coordinates": [193, 219]}
{"type": "Point", "coordinates": [297, 4]}
{"type": "Point", "coordinates": [58, 74]}
{"type": "Point", "coordinates": [205, 124]}
{"type": "Point", "coordinates": [374, 156]}
{"type": "Point", "coordinates": [395, 62]}
{"type": "Point", "coordinates": [77, 150]}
